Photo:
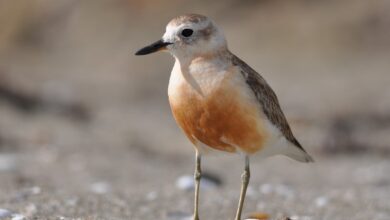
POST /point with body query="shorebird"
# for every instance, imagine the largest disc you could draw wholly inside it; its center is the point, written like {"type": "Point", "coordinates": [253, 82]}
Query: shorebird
{"type": "Point", "coordinates": [219, 101]}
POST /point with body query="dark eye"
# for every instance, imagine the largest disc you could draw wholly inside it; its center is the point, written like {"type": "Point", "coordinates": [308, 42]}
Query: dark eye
{"type": "Point", "coordinates": [187, 32]}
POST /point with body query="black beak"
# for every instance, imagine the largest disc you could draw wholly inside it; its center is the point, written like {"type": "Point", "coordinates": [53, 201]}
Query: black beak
{"type": "Point", "coordinates": [154, 47]}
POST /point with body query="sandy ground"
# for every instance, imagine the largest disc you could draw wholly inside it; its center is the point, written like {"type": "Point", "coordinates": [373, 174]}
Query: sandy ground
{"type": "Point", "coordinates": [96, 183]}
{"type": "Point", "coordinates": [86, 131]}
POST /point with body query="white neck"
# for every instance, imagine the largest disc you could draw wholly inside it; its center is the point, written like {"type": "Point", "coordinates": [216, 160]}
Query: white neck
{"type": "Point", "coordinates": [200, 71]}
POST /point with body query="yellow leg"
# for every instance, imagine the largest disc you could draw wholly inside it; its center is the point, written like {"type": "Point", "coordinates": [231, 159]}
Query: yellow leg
{"type": "Point", "coordinates": [245, 181]}
{"type": "Point", "coordinates": [197, 176]}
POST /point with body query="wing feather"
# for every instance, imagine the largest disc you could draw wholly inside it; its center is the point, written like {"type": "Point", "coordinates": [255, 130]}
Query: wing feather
{"type": "Point", "coordinates": [268, 100]}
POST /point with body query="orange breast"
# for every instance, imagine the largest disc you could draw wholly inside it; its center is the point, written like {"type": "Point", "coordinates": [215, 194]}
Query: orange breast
{"type": "Point", "coordinates": [223, 120]}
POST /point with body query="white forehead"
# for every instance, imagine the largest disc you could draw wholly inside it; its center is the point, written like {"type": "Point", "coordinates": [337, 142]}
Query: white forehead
{"type": "Point", "coordinates": [182, 22]}
{"type": "Point", "coordinates": [186, 24]}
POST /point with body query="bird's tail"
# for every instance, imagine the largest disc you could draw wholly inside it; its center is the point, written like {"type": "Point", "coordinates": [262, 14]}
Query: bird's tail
{"type": "Point", "coordinates": [299, 154]}
{"type": "Point", "coordinates": [301, 157]}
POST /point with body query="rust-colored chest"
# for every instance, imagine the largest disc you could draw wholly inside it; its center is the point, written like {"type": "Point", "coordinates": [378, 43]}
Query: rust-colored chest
{"type": "Point", "coordinates": [221, 117]}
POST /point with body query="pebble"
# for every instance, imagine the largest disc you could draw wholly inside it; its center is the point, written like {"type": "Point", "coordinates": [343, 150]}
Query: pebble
{"type": "Point", "coordinates": [7, 162]}
{"type": "Point", "coordinates": [18, 217]}
{"type": "Point", "coordinates": [207, 182]}
{"type": "Point", "coordinates": [151, 196]}
{"type": "Point", "coordinates": [35, 190]}
{"type": "Point", "coordinates": [100, 187]}
{"type": "Point", "coordinates": [4, 213]}
{"type": "Point", "coordinates": [321, 201]}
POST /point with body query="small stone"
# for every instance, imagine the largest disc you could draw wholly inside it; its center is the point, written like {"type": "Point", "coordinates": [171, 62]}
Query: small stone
{"type": "Point", "coordinates": [7, 162]}
{"type": "Point", "coordinates": [151, 196]}
{"type": "Point", "coordinates": [208, 181]}
{"type": "Point", "coordinates": [4, 213]}
{"type": "Point", "coordinates": [18, 217]}
{"type": "Point", "coordinates": [35, 190]}
{"type": "Point", "coordinates": [185, 182]}
{"type": "Point", "coordinates": [321, 201]}
{"type": "Point", "coordinates": [100, 187]}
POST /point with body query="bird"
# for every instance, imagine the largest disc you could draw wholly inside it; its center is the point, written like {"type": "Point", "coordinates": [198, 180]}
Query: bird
{"type": "Point", "coordinates": [220, 102]}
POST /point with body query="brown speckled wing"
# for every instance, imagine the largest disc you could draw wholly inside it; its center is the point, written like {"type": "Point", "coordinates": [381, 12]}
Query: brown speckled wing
{"type": "Point", "coordinates": [267, 98]}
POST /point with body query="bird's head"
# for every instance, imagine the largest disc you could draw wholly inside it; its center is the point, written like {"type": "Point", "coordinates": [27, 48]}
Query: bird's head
{"type": "Point", "coordinates": [188, 36]}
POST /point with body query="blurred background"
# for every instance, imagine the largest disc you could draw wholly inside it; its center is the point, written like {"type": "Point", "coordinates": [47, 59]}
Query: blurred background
{"type": "Point", "coordinates": [86, 130]}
